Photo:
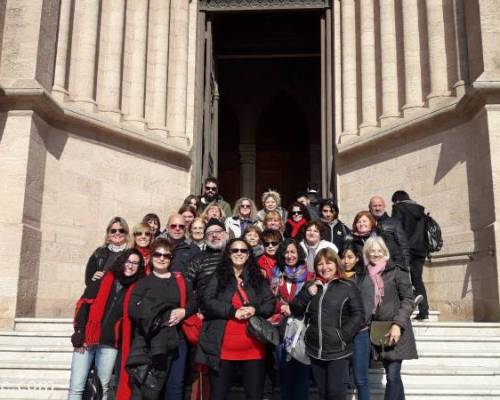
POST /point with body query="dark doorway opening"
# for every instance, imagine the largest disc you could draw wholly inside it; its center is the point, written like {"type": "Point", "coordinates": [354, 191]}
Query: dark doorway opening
{"type": "Point", "coordinates": [268, 68]}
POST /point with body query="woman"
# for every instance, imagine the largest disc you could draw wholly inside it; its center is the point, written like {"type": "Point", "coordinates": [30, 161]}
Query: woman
{"type": "Point", "coordinates": [298, 217]}
{"type": "Point", "coordinates": [197, 232]}
{"type": "Point", "coordinates": [356, 272]}
{"type": "Point", "coordinates": [336, 231]}
{"type": "Point", "coordinates": [313, 242]}
{"type": "Point", "coordinates": [244, 214]}
{"type": "Point", "coordinates": [189, 214]}
{"type": "Point", "coordinates": [253, 236]}
{"type": "Point", "coordinates": [213, 210]}
{"type": "Point", "coordinates": [334, 310]}
{"type": "Point", "coordinates": [271, 201]}
{"type": "Point", "coordinates": [273, 220]}
{"type": "Point", "coordinates": [142, 239]}
{"type": "Point", "coordinates": [393, 302]}
{"type": "Point", "coordinates": [271, 239]}
{"type": "Point", "coordinates": [291, 274]}
{"type": "Point", "coordinates": [192, 200]}
{"type": "Point", "coordinates": [154, 223]}
{"type": "Point", "coordinates": [157, 311]}
{"type": "Point", "coordinates": [236, 292]}
{"type": "Point", "coordinates": [364, 226]}
{"type": "Point", "coordinates": [116, 241]}
{"type": "Point", "coordinates": [103, 307]}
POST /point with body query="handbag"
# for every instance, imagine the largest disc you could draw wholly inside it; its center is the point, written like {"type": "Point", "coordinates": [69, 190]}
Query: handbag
{"type": "Point", "coordinates": [259, 327]}
{"type": "Point", "coordinates": [191, 326]}
{"type": "Point", "coordinates": [294, 342]}
{"type": "Point", "coordinates": [378, 332]}
{"type": "Point", "coordinates": [93, 386]}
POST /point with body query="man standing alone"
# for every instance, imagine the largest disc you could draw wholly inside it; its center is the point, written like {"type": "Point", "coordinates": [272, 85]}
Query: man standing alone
{"type": "Point", "coordinates": [411, 215]}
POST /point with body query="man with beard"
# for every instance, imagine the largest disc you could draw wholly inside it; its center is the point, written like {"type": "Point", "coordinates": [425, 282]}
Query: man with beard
{"type": "Point", "coordinates": [204, 265]}
{"type": "Point", "coordinates": [211, 194]}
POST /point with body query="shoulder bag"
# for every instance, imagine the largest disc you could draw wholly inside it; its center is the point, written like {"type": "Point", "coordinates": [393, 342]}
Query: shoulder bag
{"type": "Point", "coordinates": [191, 326]}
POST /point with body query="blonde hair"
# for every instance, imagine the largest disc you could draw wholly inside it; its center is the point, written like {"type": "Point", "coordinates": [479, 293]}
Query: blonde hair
{"type": "Point", "coordinates": [141, 226]}
{"type": "Point", "coordinates": [273, 215]}
{"type": "Point", "coordinates": [271, 193]}
{"type": "Point", "coordinates": [253, 209]}
{"type": "Point", "coordinates": [208, 207]}
{"type": "Point", "coordinates": [370, 243]}
{"type": "Point", "coordinates": [124, 225]}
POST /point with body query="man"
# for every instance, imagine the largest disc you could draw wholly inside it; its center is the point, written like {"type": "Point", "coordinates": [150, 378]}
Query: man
{"type": "Point", "coordinates": [391, 231]}
{"type": "Point", "coordinates": [313, 195]}
{"type": "Point", "coordinates": [303, 198]}
{"type": "Point", "coordinates": [183, 253]}
{"type": "Point", "coordinates": [204, 265]}
{"type": "Point", "coordinates": [211, 194]}
{"type": "Point", "coordinates": [411, 216]}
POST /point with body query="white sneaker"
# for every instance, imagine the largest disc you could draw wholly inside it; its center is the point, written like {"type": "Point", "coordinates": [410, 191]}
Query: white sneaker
{"type": "Point", "coordinates": [418, 300]}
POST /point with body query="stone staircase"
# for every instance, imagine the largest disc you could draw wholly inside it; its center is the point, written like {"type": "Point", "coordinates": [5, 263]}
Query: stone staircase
{"type": "Point", "coordinates": [459, 360]}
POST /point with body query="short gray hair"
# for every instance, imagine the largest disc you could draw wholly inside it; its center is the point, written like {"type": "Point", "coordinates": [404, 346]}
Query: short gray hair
{"type": "Point", "coordinates": [370, 243]}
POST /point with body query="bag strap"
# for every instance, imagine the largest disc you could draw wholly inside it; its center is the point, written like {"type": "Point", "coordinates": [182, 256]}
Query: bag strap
{"type": "Point", "coordinates": [243, 295]}
{"type": "Point", "coordinates": [181, 283]}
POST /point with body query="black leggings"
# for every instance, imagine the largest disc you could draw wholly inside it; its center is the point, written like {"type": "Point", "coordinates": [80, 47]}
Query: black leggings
{"type": "Point", "coordinates": [252, 371]}
{"type": "Point", "coordinates": [330, 378]}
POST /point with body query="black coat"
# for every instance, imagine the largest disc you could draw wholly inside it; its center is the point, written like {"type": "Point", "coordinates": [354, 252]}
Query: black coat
{"type": "Point", "coordinates": [335, 315]}
{"type": "Point", "coordinates": [412, 218]}
{"type": "Point", "coordinates": [395, 238]}
{"type": "Point", "coordinates": [202, 267]}
{"type": "Point", "coordinates": [100, 260]}
{"type": "Point", "coordinates": [217, 309]}
{"type": "Point", "coordinates": [337, 233]}
{"type": "Point", "coordinates": [397, 306]}
{"type": "Point", "coordinates": [183, 254]}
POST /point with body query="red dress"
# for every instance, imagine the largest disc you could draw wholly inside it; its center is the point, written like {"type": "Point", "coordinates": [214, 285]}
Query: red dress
{"type": "Point", "coordinates": [237, 344]}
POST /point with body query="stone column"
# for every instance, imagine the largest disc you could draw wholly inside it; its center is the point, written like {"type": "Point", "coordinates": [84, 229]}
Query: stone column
{"type": "Point", "coordinates": [414, 95]}
{"type": "Point", "coordinates": [59, 90]}
{"type": "Point", "coordinates": [368, 71]}
{"type": "Point", "coordinates": [157, 62]}
{"type": "Point", "coordinates": [110, 58]}
{"type": "Point", "coordinates": [337, 58]}
{"type": "Point", "coordinates": [247, 176]}
{"type": "Point", "coordinates": [177, 72]}
{"type": "Point", "coordinates": [349, 73]}
{"type": "Point", "coordinates": [83, 53]}
{"type": "Point", "coordinates": [438, 64]}
{"type": "Point", "coordinates": [134, 63]}
{"type": "Point", "coordinates": [389, 64]}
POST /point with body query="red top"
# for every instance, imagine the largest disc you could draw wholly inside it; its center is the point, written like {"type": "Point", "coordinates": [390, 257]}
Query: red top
{"type": "Point", "coordinates": [237, 344]}
{"type": "Point", "coordinates": [267, 263]}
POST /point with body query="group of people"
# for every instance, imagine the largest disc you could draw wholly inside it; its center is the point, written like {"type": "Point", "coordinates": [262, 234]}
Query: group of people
{"type": "Point", "coordinates": [145, 286]}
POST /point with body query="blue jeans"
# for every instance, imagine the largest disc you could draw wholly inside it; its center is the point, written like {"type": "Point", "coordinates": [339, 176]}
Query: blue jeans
{"type": "Point", "coordinates": [361, 363]}
{"type": "Point", "coordinates": [174, 388]}
{"type": "Point", "coordinates": [394, 389]}
{"type": "Point", "coordinates": [294, 377]}
{"type": "Point", "coordinates": [81, 363]}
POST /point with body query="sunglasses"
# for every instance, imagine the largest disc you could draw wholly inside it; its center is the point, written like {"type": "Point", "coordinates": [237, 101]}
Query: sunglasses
{"type": "Point", "coordinates": [167, 256]}
{"type": "Point", "coordinates": [245, 206]}
{"type": "Point", "coordinates": [238, 250]}
{"type": "Point", "coordinates": [113, 231]}
{"type": "Point", "coordinates": [297, 213]}
{"type": "Point", "coordinates": [267, 244]}
{"type": "Point", "coordinates": [146, 233]}
{"type": "Point", "coordinates": [177, 226]}
{"type": "Point", "coordinates": [211, 188]}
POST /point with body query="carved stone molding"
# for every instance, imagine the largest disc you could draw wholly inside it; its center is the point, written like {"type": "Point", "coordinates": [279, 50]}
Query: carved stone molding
{"type": "Point", "coordinates": [248, 5]}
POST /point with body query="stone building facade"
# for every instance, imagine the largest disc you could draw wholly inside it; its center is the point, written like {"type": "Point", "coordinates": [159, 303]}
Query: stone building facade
{"type": "Point", "coordinates": [108, 107]}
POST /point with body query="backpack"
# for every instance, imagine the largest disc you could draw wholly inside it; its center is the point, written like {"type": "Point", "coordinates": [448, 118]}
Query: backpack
{"type": "Point", "coordinates": [433, 237]}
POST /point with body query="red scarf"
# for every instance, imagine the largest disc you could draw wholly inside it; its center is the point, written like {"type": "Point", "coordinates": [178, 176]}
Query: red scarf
{"type": "Point", "coordinates": [146, 253]}
{"type": "Point", "coordinates": [267, 263]}
{"type": "Point", "coordinates": [296, 226]}
{"type": "Point", "coordinates": [93, 327]}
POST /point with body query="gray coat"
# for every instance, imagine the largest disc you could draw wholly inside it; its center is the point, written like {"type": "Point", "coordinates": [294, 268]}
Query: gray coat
{"type": "Point", "coordinates": [397, 306]}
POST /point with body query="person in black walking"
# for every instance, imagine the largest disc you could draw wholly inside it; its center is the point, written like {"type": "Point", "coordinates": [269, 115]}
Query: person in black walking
{"type": "Point", "coordinates": [411, 215]}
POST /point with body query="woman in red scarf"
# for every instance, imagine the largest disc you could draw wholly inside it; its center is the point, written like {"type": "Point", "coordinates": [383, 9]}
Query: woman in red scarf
{"type": "Point", "coordinates": [102, 326]}
{"type": "Point", "coordinates": [142, 239]}
{"type": "Point", "coordinates": [298, 217]}
{"type": "Point", "coordinates": [271, 239]}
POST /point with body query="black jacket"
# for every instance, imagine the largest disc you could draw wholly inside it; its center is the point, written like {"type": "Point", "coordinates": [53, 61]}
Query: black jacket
{"type": "Point", "coordinates": [335, 315]}
{"type": "Point", "coordinates": [337, 233]}
{"type": "Point", "coordinates": [395, 238]}
{"type": "Point", "coordinates": [412, 218]}
{"type": "Point", "coordinates": [183, 254]}
{"type": "Point", "coordinates": [100, 260]}
{"type": "Point", "coordinates": [365, 286]}
{"type": "Point", "coordinates": [217, 309]}
{"type": "Point", "coordinates": [202, 267]}
{"type": "Point", "coordinates": [150, 305]}
{"type": "Point", "coordinates": [397, 306]}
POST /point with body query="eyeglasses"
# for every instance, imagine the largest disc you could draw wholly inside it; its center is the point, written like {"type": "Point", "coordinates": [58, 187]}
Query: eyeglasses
{"type": "Point", "coordinates": [212, 233]}
{"type": "Point", "coordinates": [297, 213]}
{"type": "Point", "coordinates": [146, 233]}
{"type": "Point", "coordinates": [133, 263]}
{"type": "Point", "coordinates": [167, 256]}
{"type": "Point", "coordinates": [177, 226]}
{"type": "Point", "coordinates": [245, 206]}
{"type": "Point", "coordinates": [113, 231]}
{"type": "Point", "coordinates": [236, 250]}
{"type": "Point", "coordinates": [211, 188]}
{"type": "Point", "coordinates": [273, 244]}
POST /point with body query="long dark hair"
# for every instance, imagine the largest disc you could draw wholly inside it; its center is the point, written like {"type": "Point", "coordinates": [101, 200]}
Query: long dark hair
{"type": "Point", "coordinates": [282, 249]}
{"type": "Point", "coordinates": [359, 268]}
{"type": "Point", "coordinates": [251, 271]}
{"type": "Point", "coordinates": [119, 265]}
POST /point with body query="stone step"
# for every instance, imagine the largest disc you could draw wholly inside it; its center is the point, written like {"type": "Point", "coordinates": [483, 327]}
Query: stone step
{"type": "Point", "coordinates": [471, 329]}
{"type": "Point", "coordinates": [29, 353]}
{"type": "Point", "coordinates": [35, 338]}
{"type": "Point", "coordinates": [44, 324]}
{"type": "Point", "coordinates": [457, 359]}
{"type": "Point", "coordinates": [458, 343]}
{"type": "Point", "coordinates": [433, 315]}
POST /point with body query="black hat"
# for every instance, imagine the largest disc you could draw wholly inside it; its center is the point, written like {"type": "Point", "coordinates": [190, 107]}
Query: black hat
{"type": "Point", "coordinates": [214, 221]}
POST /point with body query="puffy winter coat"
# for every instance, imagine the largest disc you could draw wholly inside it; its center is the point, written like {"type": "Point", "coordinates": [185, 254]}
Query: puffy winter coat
{"type": "Point", "coordinates": [412, 218]}
{"type": "Point", "coordinates": [334, 316]}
